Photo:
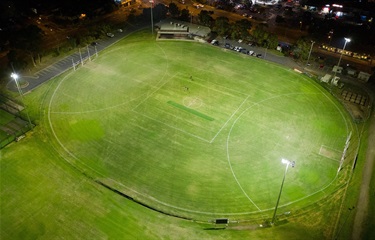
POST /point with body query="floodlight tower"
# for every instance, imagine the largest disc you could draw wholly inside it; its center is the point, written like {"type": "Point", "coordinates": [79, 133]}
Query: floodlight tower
{"type": "Point", "coordinates": [308, 58]}
{"type": "Point", "coordinates": [338, 64]}
{"type": "Point", "coordinates": [152, 18]}
{"type": "Point", "coordinates": [287, 162]}
{"type": "Point", "coordinates": [15, 77]}
{"type": "Point", "coordinates": [343, 49]}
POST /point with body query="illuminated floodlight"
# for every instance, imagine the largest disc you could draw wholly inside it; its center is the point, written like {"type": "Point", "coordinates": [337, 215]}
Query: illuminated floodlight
{"type": "Point", "coordinates": [14, 76]}
{"type": "Point", "coordinates": [347, 39]}
{"type": "Point", "coordinates": [287, 162]}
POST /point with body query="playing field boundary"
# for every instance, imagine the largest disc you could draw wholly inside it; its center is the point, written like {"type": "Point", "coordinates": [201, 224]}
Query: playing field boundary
{"type": "Point", "coordinates": [149, 199]}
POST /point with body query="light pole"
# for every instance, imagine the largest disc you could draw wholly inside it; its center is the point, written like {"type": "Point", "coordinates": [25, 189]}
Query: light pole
{"type": "Point", "coordinates": [343, 49]}
{"type": "Point", "coordinates": [152, 18]}
{"type": "Point", "coordinates": [15, 77]}
{"type": "Point", "coordinates": [338, 64]}
{"type": "Point", "coordinates": [287, 162]}
{"type": "Point", "coordinates": [308, 58]}
{"type": "Point", "coordinates": [265, 52]}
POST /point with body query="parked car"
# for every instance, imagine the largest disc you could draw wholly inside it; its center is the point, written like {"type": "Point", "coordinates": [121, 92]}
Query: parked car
{"type": "Point", "coordinates": [111, 35]}
{"type": "Point", "coordinates": [215, 42]}
{"type": "Point", "coordinates": [227, 45]}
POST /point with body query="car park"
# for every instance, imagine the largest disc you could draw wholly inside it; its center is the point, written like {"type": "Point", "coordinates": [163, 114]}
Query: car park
{"type": "Point", "coordinates": [250, 52]}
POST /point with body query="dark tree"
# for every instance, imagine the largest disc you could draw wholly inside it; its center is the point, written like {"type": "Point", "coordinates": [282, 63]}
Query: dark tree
{"type": "Point", "coordinates": [240, 29]}
{"type": "Point", "coordinates": [205, 18]}
{"type": "Point", "coordinates": [302, 48]}
{"type": "Point", "coordinates": [28, 40]}
{"type": "Point", "coordinates": [174, 10]}
{"type": "Point", "coordinates": [222, 26]}
{"type": "Point", "coordinates": [185, 15]}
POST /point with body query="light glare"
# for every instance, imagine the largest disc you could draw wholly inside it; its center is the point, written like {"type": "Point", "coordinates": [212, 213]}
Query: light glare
{"type": "Point", "coordinates": [14, 76]}
{"type": "Point", "coordinates": [285, 161]}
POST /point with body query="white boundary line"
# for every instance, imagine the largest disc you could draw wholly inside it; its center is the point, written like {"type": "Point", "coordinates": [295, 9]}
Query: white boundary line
{"type": "Point", "coordinates": [228, 155]}
{"type": "Point", "coordinates": [184, 209]}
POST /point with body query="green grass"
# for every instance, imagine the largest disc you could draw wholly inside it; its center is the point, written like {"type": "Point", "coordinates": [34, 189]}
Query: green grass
{"type": "Point", "coordinates": [5, 117]}
{"type": "Point", "coordinates": [111, 120]}
{"type": "Point", "coordinates": [187, 109]}
{"type": "Point", "coordinates": [114, 118]}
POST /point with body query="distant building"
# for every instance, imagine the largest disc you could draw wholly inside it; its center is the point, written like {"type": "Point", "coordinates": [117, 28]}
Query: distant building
{"type": "Point", "coordinates": [364, 76]}
{"type": "Point", "coordinates": [175, 29]}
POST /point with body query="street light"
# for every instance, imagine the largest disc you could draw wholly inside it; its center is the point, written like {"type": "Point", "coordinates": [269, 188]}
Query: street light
{"type": "Point", "coordinates": [308, 58]}
{"type": "Point", "coordinates": [287, 162]}
{"type": "Point", "coordinates": [15, 77]}
{"type": "Point", "coordinates": [152, 18]}
{"type": "Point", "coordinates": [338, 64]}
{"type": "Point", "coordinates": [343, 49]}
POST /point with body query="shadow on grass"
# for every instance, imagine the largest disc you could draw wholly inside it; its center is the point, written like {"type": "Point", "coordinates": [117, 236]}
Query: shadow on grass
{"type": "Point", "coordinates": [214, 228]}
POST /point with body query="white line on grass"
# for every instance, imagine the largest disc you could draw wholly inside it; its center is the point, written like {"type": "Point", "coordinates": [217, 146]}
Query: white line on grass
{"type": "Point", "coordinates": [333, 150]}
{"type": "Point", "coordinates": [178, 129]}
{"type": "Point", "coordinates": [55, 135]}
{"type": "Point", "coordinates": [166, 204]}
{"type": "Point", "coordinates": [155, 90]}
{"type": "Point", "coordinates": [100, 174]}
{"type": "Point", "coordinates": [213, 139]}
{"type": "Point", "coordinates": [228, 155]}
{"type": "Point", "coordinates": [161, 80]}
{"type": "Point", "coordinates": [229, 92]}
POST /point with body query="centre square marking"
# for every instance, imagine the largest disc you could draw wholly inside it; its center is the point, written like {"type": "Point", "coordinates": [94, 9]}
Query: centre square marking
{"type": "Point", "coordinates": [193, 102]}
{"type": "Point", "coordinates": [209, 99]}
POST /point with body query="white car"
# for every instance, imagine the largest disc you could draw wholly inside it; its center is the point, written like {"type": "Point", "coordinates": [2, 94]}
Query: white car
{"type": "Point", "coordinates": [111, 35]}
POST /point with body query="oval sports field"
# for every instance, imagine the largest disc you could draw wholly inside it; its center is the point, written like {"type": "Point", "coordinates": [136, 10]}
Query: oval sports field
{"type": "Point", "coordinates": [197, 131]}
